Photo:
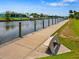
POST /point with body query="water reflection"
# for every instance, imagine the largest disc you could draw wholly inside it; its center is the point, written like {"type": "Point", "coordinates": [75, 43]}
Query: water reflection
{"type": "Point", "coordinates": [9, 25]}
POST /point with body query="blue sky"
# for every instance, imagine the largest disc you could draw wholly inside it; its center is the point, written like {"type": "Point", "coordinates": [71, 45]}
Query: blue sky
{"type": "Point", "coordinates": [51, 7]}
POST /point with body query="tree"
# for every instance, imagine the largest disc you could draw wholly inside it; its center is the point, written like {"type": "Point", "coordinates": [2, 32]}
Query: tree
{"type": "Point", "coordinates": [35, 15]}
{"type": "Point", "coordinates": [13, 14]}
{"type": "Point", "coordinates": [71, 14]}
{"type": "Point", "coordinates": [27, 14]}
{"type": "Point", "coordinates": [76, 15]}
{"type": "Point", "coordinates": [7, 15]}
{"type": "Point", "coordinates": [74, 11]}
{"type": "Point", "coordinates": [41, 15]}
{"type": "Point", "coordinates": [70, 11]}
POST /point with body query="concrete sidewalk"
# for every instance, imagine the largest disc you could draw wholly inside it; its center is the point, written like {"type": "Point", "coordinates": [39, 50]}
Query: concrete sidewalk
{"type": "Point", "coordinates": [28, 45]}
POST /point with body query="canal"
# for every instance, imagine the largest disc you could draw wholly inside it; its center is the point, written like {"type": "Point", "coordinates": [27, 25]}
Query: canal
{"type": "Point", "coordinates": [10, 30]}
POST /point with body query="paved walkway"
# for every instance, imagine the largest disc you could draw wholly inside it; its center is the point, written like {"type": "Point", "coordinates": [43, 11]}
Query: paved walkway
{"type": "Point", "coordinates": [29, 45]}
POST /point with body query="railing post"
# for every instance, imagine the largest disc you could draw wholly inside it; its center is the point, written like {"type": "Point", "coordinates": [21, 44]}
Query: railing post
{"type": "Point", "coordinates": [55, 20]}
{"type": "Point", "coordinates": [34, 25]}
{"type": "Point", "coordinates": [20, 34]}
{"type": "Point", "coordinates": [60, 19]}
{"type": "Point", "coordinates": [48, 22]}
{"type": "Point", "coordinates": [52, 21]}
{"type": "Point", "coordinates": [43, 23]}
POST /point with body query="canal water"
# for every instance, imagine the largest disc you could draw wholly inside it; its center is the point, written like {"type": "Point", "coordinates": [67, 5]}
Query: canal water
{"type": "Point", "coordinates": [10, 30]}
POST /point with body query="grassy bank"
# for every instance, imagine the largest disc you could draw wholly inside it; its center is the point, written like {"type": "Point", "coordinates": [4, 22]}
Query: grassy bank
{"type": "Point", "coordinates": [4, 19]}
{"type": "Point", "coordinates": [1, 18]}
{"type": "Point", "coordinates": [68, 36]}
{"type": "Point", "coordinates": [75, 26]}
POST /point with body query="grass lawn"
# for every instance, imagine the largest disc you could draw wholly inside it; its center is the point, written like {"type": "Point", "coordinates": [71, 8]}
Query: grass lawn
{"type": "Point", "coordinates": [72, 28]}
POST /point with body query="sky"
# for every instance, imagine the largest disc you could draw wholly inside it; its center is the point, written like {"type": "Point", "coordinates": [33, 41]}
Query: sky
{"type": "Point", "coordinates": [50, 7]}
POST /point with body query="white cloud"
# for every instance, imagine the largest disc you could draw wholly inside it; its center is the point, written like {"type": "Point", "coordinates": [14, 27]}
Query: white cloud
{"type": "Point", "coordinates": [58, 4]}
{"type": "Point", "coordinates": [42, 1]}
{"type": "Point", "coordinates": [70, 0]}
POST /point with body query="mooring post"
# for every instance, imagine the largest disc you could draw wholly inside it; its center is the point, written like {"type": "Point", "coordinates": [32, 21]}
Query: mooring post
{"type": "Point", "coordinates": [43, 23]}
{"type": "Point", "coordinates": [34, 25]}
{"type": "Point", "coordinates": [20, 34]}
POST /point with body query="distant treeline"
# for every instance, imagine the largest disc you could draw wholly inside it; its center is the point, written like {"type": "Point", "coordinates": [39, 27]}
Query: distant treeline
{"type": "Point", "coordinates": [8, 15]}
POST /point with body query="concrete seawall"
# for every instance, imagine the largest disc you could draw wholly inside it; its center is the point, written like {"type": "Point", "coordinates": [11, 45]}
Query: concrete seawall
{"type": "Point", "coordinates": [29, 46]}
